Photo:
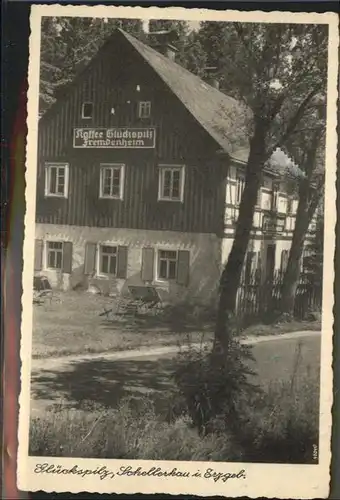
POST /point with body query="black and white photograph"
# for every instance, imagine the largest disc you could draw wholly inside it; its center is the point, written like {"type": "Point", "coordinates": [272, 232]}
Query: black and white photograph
{"type": "Point", "coordinates": [179, 252]}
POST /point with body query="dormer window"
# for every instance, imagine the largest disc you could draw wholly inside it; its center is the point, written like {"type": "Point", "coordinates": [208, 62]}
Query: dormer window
{"type": "Point", "coordinates": [144, 109]}
{"type": "Point", "coordinates": [87, 110]}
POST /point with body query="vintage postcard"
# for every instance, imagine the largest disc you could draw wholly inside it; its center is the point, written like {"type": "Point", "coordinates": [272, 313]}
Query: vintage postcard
{"type": "Point", "coordinates": [179, 252]}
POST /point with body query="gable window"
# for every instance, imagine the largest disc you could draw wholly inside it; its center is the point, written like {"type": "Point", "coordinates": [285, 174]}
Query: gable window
{"type": "Point", "coordinates": [167, 264]}
{"type": "Point", "coordinates": [171, 183]}
{"type": "Point", "coordinates": [87, 110]}
{"type": "Point", "coordinates": [111, 181]}
{"type": "Point", "coordinates": [240, 183]}
{"type": "Point", "coordinates": [56, 179]}
{"type": "Point", "coordinates": [108, 260]}
{"type": "Point", "coordinates": [54, 251]}
{"type": "Point", "coordinates": [144, 109]}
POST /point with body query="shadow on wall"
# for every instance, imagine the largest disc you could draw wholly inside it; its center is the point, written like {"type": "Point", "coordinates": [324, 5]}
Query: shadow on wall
{"type": "Point", "coordinates": [79, 280]}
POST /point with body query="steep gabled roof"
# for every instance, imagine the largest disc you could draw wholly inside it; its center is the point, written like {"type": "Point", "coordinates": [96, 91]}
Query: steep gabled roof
{"type": "Point", "coordinates": [223, 117]}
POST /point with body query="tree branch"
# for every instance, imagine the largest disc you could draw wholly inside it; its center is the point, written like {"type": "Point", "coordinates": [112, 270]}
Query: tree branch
{"type": "Point", "coordinates": [316, 197]}
{"type": "Point", "coordinates": [295, 119]}
{"type": "Point", "coordinates": [239, 31]}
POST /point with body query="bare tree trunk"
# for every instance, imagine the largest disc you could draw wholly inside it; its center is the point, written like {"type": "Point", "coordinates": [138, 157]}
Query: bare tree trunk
{"type": "Point", "coordinates": [231, 275]}
{"type": "Point", "coordinates": [304, 215]}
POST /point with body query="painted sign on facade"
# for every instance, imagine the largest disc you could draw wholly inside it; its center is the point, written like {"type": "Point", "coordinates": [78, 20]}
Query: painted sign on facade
{"type": "Point", "coordinates": [116, 138]}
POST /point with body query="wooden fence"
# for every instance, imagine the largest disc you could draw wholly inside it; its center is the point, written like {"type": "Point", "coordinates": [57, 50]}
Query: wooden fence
{"type": "Point", "coordinates": [259, 296]}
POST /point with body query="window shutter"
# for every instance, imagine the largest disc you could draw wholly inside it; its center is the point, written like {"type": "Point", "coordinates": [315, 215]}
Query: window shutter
{"type": "Point", "coordinates": [183, 267]}
{"type": "Point", "coordinates": [147, 264]}
{"type": "Point", "coordinates": [90, 258]}
{"type": "Point", "coordinates": [38, 255]}
{"type": "Point", "coordinates": [67, 257]}
{"type": "Point", "coordinates": [284, 260]}
{"type": "Point", "coordinates": [122, 262]}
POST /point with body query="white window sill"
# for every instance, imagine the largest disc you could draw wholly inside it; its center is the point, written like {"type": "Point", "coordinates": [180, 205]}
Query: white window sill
{"type": "Point", "coordinates": [111, 198]}
{"type": "Point", "coordinates": [172, 200]}
{"type": "Point", "coordinates": [104, 276]}
{"type": "Point", "coordinates": [50, 195]}
{"type": "Point", "coordinates": [161, 281]}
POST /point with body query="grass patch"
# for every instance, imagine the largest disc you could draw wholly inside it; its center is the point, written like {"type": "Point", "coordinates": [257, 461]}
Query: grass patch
{"type": "Point", "coordinates": [74, 327]}
{"type": "Point", "coordinates": [280, 424]}
{"type": "Point", "coordinates": [281, 428]}
{"type": "Point", "coordinates": [259, 330]}
{"type": "Point", "coordinates": [125, 433]}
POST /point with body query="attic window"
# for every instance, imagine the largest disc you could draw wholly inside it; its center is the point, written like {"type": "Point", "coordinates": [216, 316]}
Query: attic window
{"type": "Point", "coordinates": [87, 110]}
{"type": "Point", "coordinates": [144, 109]}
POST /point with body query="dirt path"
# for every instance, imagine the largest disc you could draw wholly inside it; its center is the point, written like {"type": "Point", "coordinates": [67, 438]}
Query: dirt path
{"type": "Point", "coordinates": [58, 363]}
{"type": "Point", "coordinates": [105, 378]}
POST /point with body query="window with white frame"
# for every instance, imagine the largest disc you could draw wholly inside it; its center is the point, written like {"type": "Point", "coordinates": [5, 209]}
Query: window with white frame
{"type": "Point", "coordinates": [111, 181]}
{"type": "Point", "coordinates": [171, 182]}
{"type": "Point", "coordinates": [144, 109]}
{"type": "Point", "coordinates": [281, 224]}
{"type": "Point", "coordinates": [54, 254]}
{"type": "Point", "coordinates": [87, 110]}
{"type": "Point", "coordinates": [108, 258]}
{"type": "Point", "coordinates": [275, 197]}
{"type": "Point", "coordinates": [259, 197]}
{"type": "Point", "coordinates": [56, 179]}
{"type": "Point", "coordinates": [167, 264]}
{"type": "Point", "coordinates": [240, 183]}
{"type": "Point", "coordinates": [289, 205]}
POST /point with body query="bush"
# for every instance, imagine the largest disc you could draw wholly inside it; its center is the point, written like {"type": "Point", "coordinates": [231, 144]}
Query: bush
{"type": "Point", "coordinates": [216, 387]}
{"type": "Point", "coordinates": [187, 313]}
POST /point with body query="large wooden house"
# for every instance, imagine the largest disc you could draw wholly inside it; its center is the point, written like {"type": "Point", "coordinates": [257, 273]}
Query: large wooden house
{"type": "Point", "coordinates": [140, 173]}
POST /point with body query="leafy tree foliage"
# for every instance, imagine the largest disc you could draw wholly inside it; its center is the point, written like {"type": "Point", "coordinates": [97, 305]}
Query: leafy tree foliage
{"type": "Point", "coordinates": [307, 146]}
{"type": "Point", "coordinates": [276, 70]}
{"type": "Point", "coordinates": [194, 56]}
